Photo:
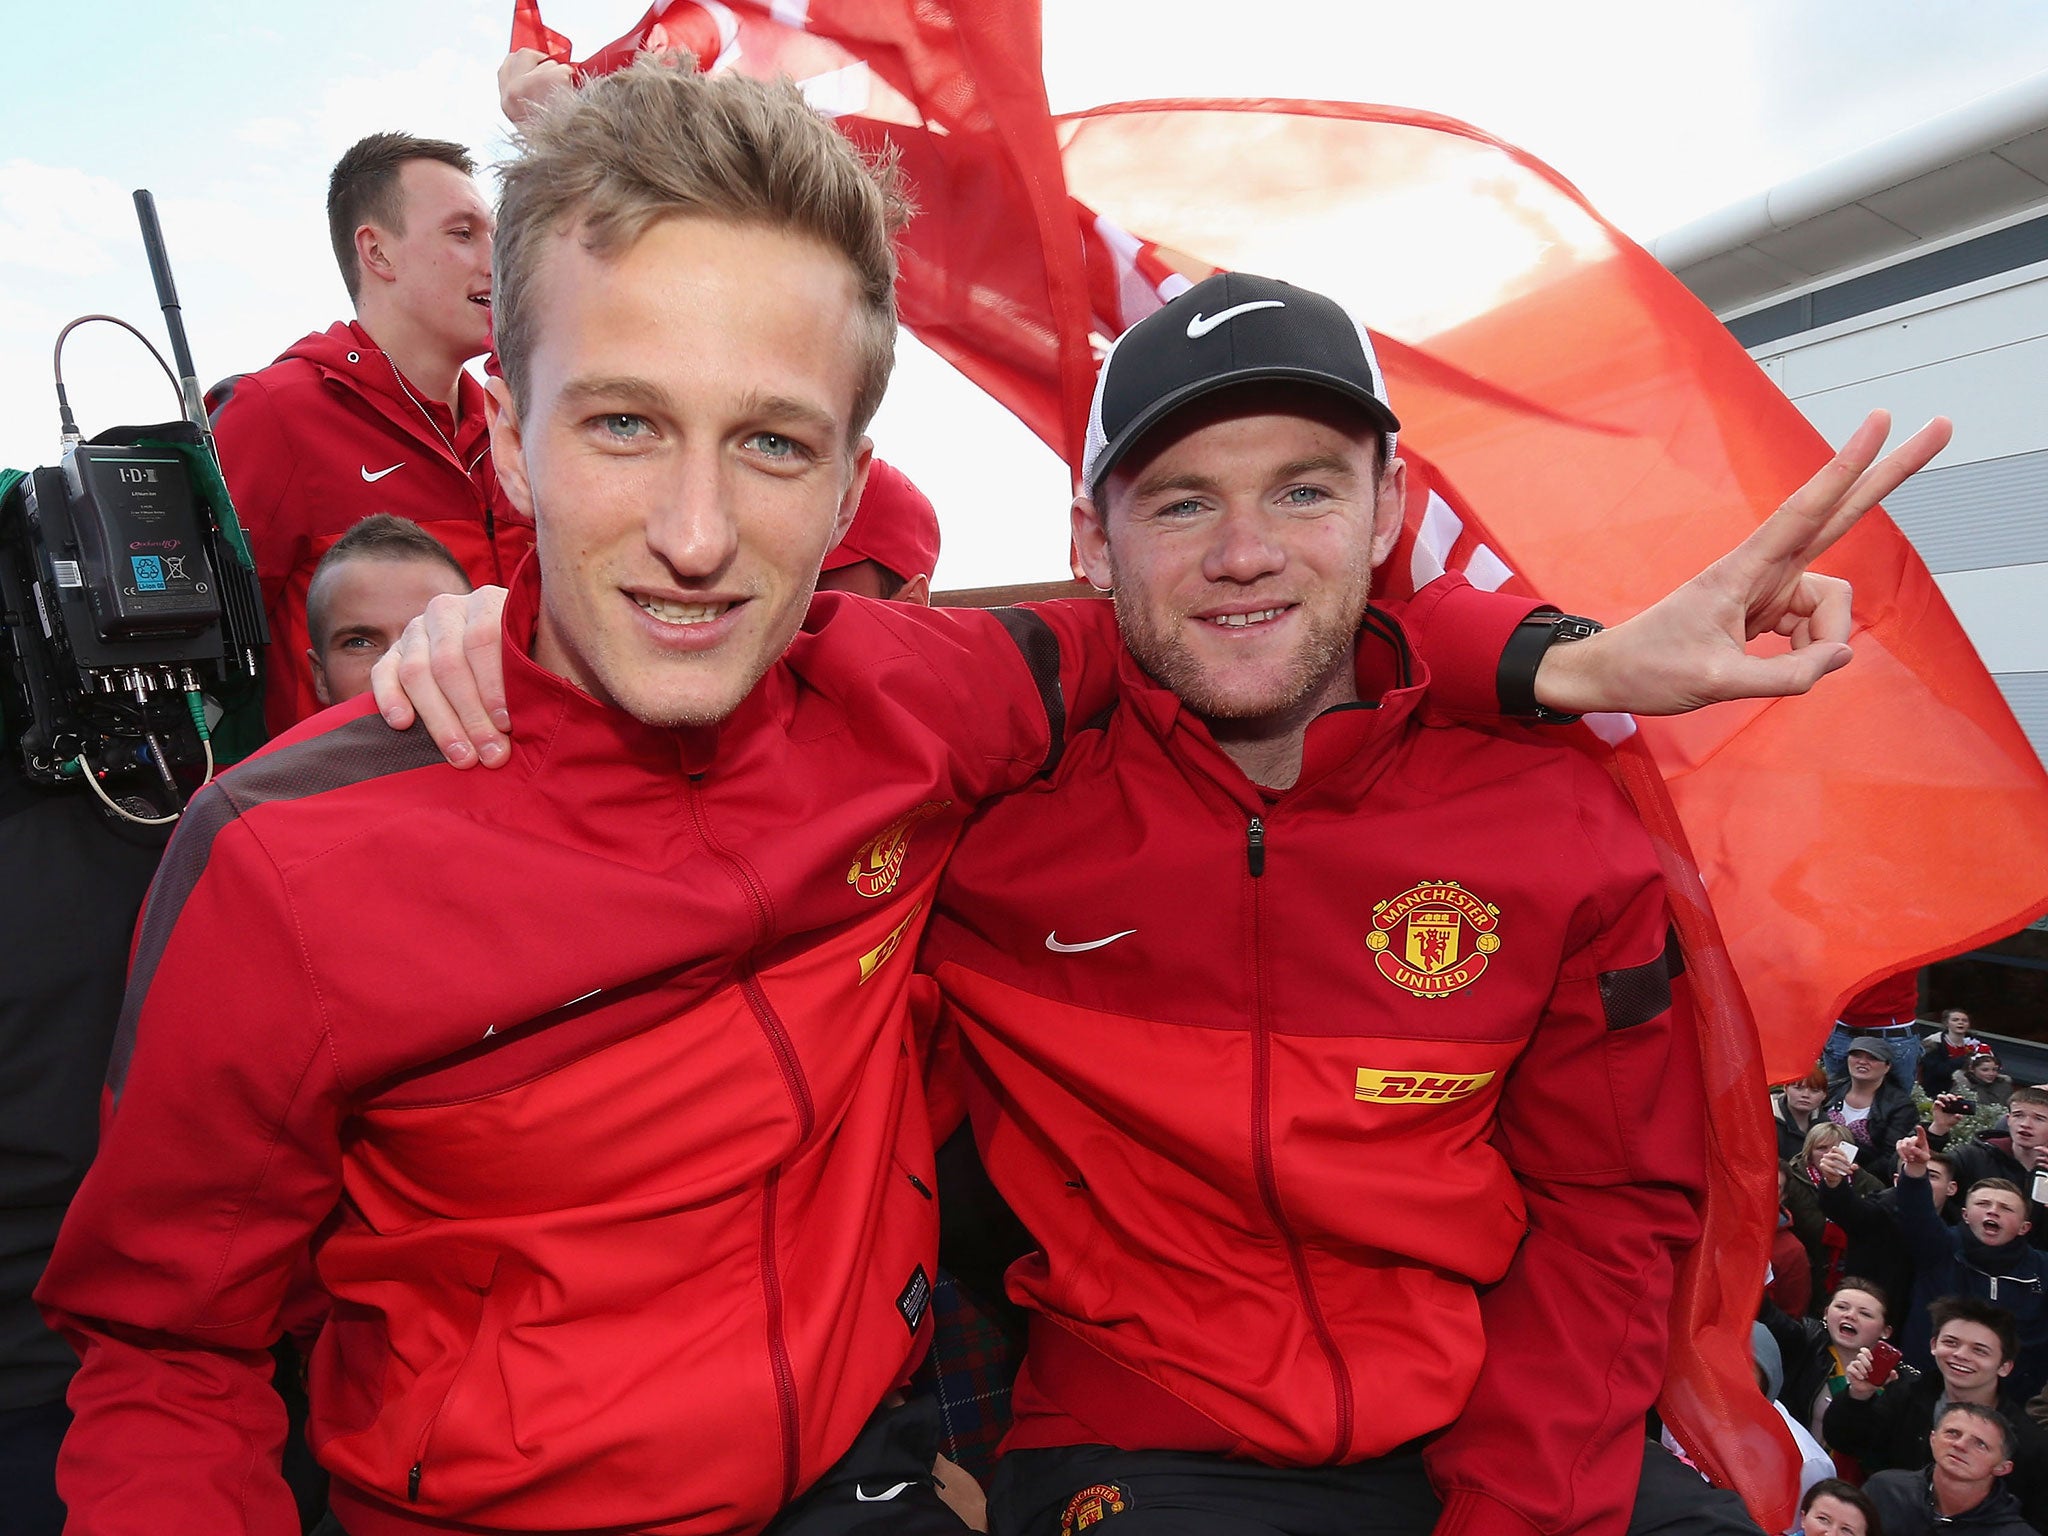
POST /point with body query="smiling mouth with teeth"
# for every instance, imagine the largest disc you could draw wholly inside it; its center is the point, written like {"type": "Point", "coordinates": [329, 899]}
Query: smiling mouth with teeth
{"type": "Point", "coordinates": [1240, 620]}
{"type": "Point", "coordinates": [681, 613]}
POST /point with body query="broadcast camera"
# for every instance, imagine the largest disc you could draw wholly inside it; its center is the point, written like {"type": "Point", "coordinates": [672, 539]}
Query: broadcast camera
{"type": "Point", "coordinates": [128, 598]}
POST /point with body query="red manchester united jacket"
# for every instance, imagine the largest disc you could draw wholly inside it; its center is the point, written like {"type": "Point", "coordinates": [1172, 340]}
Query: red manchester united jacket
{"type": "Point", "coordinates": [1346, 1115]}
{"type": "Point", "coordinates": [322, 438]}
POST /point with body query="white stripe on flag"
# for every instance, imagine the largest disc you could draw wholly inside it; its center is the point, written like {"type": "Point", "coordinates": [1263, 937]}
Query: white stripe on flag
{"type": "Point", "coordinates": [1135, 297]}
{"type": "Point", "coordinates": [791, 13]}
{"type": "Point", "coordinates": [1486, 570]}
{"type": "Point", "coordinates": [841, 92]}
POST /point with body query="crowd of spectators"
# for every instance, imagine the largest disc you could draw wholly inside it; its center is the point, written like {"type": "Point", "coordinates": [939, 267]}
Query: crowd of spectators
{"type": "Point", "coordinates": [1904, 1324]}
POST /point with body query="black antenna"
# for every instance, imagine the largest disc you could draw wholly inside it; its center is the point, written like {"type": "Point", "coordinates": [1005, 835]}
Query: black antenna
{"type": "Point", "coordinates": [167, 297]}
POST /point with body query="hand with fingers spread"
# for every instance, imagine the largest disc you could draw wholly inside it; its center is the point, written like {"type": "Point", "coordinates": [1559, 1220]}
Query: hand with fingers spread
{"type": "Point", "coordinates": [448, 672]}
{"type": "Point", "coordinates": [1691, 648]}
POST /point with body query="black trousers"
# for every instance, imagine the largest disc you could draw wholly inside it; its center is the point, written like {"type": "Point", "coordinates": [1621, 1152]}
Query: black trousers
{"type": "Point", "coordinates": [881, 1487]}
{"type": "Point", "coordinates": [1096, 1490]}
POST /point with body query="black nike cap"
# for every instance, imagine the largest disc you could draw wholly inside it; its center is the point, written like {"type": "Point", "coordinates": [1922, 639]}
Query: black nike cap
{"type": "Point", "coordinates": [1233, 328]}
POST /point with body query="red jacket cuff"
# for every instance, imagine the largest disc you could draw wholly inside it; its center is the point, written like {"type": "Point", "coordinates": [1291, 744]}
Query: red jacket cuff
{"type": "Point", "coordinates": [1461, 632]}
{"type": "Point", "coordinates": [1468, 1512]}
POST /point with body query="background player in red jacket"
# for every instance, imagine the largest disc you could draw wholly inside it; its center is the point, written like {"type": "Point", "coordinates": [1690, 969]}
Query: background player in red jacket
{"type": "Point", "coordinates": [376, 414]}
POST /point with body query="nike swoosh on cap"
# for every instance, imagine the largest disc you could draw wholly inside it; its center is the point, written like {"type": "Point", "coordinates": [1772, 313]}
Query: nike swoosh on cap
{"type": "Point", "coordinates": [1202, 325]}
{"type": "Point", "coordinates": [371, 479]}
{"type": "Point", "coordinates": [1052, 942]}
{"type": "Point", "coordinates": [864, 1497]}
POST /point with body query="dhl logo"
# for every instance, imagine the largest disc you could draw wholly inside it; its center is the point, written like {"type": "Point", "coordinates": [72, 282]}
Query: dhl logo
{"type": "Point", "coordinates": [1418, 1087]}
{"type": "Point", "coordinates": [874, 959]}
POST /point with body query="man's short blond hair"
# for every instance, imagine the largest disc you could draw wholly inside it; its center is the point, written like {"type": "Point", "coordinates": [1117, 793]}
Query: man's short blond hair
{"type": "Point", "coordinates": [657, 140]}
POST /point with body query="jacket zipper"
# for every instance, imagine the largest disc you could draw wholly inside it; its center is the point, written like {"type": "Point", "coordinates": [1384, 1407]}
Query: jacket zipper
{"type": "Point", "coordinates": [764, 913]}
{"type": "Point", "coordinates": [468, 470]}
{"type": "Point", "coordinates": [799, 1088]}
{"type": "Point", "coordinates": [1262, 1151]}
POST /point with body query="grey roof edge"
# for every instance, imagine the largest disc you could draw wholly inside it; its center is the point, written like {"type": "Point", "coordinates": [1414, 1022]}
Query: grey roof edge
{"type": "Point", "coordinates": [1980, 125]}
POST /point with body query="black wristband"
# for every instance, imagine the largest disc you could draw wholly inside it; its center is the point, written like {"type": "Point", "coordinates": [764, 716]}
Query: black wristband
{"type": "Point", "coordinates": [1531, 640]}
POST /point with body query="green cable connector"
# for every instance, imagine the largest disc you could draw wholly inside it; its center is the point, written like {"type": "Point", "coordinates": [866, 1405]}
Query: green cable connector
{"type": "Point", "coordinates": [197, 705]}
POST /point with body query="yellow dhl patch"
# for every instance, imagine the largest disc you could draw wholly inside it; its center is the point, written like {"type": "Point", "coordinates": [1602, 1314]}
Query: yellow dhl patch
{"type": "Point", "coordinates": [872, 960]}
{"type": "Point", "coordinates": [1411, 1087]}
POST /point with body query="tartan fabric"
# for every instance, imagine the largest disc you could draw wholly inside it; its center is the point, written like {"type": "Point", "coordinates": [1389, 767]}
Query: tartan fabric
{"type": "Point", "coordinates": [969, 1369]}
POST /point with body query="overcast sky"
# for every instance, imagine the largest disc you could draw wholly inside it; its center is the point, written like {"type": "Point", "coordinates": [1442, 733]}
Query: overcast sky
{"type": "Point", "coordinates": [233, 111]}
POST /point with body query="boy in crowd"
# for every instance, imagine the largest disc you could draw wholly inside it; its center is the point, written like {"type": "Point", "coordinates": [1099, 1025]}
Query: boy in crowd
{"type": "Point", "coordinates": [2018, 1155]}
{"type": "Point", "coordinates": [1986, 1256]}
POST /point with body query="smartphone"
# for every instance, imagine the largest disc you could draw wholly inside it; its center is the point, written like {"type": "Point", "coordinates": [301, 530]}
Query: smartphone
{"type": "Point", "coordinates": [1884, 1362]}
{"type": "Point", "coordinates": [2041, 1186]}
{"type": "Point", "coordinates": [1849, 1149]}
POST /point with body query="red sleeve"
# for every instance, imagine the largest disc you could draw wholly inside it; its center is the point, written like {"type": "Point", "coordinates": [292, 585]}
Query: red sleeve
{"type": "Point", "coordinates": [257, 461]}
{"type": "Point", "coordinates": [1602, 1122]}
{"type": "Point", "coordinates": [220, 1156]}
{"type": "Point", "coordinates": [1017, 680]}
{"type": "Point", "coordinates": [1460, 633]}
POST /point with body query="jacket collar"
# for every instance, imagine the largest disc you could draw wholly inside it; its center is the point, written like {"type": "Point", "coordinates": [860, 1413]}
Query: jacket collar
{"type": "Point", "coordinates": [346, 354]}
{"type": "Point", "coordinates": [559, 724]}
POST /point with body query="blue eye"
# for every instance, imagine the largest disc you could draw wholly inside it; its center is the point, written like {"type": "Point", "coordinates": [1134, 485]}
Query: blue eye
{"type": "Point", "coordinates": [623, 426]}
{"type": "Point", "coordinates": [773, 445]}
{"type": "Point", "coordinates": [1304, 495]}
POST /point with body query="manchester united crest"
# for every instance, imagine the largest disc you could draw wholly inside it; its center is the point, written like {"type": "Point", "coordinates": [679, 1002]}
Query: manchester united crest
{"type": "Point", "coordinates": [1434, 938]}
{"type": "Point", "coordinates": [1093, 1505]}
{"type": "Point", "coordinates": [879, 864]}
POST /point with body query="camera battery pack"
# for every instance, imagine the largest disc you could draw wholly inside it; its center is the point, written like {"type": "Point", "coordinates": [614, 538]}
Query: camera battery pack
{"type": "Point", "coordinates": [145, 569]}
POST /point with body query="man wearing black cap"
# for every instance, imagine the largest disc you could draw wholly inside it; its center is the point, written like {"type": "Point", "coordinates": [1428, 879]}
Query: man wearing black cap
{"type": "Point", "coordinates": [1326, 1048]}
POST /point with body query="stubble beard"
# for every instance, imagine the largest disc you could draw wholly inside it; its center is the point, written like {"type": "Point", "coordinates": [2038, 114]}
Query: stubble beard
{"type": "Point", "coordinates": [1170, 661]}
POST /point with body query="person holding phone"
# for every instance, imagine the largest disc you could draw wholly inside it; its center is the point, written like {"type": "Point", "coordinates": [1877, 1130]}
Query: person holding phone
{"type": "Point", "coordinates": [1816, 1352]}
{"type": "Point", "coordinates": [1886, 1425]}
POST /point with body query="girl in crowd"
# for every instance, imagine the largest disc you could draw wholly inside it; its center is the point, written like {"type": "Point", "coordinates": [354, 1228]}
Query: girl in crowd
{"type": "Point", "coordinates": [1817, 1353]}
